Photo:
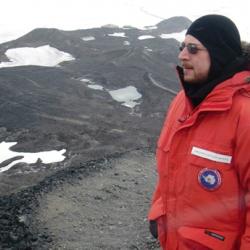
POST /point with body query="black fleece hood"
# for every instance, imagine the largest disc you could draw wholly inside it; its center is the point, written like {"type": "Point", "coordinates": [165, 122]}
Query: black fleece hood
{"type": "Point", "coordinates": [221, 38]}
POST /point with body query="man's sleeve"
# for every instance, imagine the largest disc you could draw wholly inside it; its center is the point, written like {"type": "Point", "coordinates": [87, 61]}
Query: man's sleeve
{"type": "Point", "coordinates": [242, 164]}
{"type": "Point", "coordinates": [156, 209]}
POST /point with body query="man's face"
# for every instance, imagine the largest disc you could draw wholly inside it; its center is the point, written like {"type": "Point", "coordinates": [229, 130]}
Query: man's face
{"type": "Point", "coordinates": [195, 65]}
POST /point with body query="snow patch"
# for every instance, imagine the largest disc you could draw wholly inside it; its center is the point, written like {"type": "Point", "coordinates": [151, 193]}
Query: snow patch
{"type": "Point", "coordinates": [86, 80]}
{"type": "Point", "coordinates": [118, 34]}
{"type": "Point", "coordinates": [95, 86]}
{"type": "Point", "coordinates": [148, 49]}
{"type": "Point", "coordinates": [45, 156]}
{"type": "Point", "coordinates": [126, 96]}
{"type": "Point", "coordinates": [145, 37]}
{"type": "Point", "coordinates": [126, 43]}
{"type": "Point", "coordinates": [41, 56]}
{"type": "Point", "coordinates": [179, 36]}
{"type": "Point", "coordinates": [88, 38]}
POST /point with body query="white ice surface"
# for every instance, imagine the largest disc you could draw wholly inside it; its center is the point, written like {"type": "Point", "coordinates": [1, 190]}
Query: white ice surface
{"type": "Point", "coordinates": [178, 36]}
{"type": "Point", "coordinates": [126, 43]}
{"type": "Point", "coordinates": [86, 80]}
{"type": "Point", "coordinates": [145, 37]}
{"type": "Point", "coordinates": [95, 86]}
{"type": "Point", "coordinates": [40, 56]}
{"type": "Point", "coordinates": [118, 34]}
{"type": "Point", "coordinates": [126, 96]}
{"type": "Point", "coordinates": [88, 38]}
{"type": "Point", "coordinates": [45, 156]}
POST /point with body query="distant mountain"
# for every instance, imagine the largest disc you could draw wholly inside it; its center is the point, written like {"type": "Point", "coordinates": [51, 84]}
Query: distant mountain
{"type": "Point", "coordinates": [174, 24]}
{"type": "Point", "coordinates": [70, 106]}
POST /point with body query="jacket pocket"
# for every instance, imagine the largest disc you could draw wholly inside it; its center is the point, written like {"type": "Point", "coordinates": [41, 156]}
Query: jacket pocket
{"type": "Point", "coordinates": [208, 174]}
{"type": "Point", "coordinates": [156, 209]}
{"type": "Point", "coordinates": [210, 169]}
{"type": "Point", "coordinates": [205, 239]}
{"type": "Point", "coordinates": [211, 183]}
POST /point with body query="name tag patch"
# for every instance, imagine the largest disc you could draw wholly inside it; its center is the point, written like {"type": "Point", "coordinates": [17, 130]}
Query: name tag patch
{"type": "Point", "coordinates": [210, 155]}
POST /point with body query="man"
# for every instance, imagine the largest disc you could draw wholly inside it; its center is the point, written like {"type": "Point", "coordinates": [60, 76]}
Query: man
{"type": "Point", "coordinates": [202, 198]}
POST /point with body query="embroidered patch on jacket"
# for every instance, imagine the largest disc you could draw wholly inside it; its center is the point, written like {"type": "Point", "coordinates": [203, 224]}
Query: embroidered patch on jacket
{"type": "Point", "coordinates": [215, 235]}
{"type": "Point", "coordinates": [210, 155]}
{"type": "Point", "coordinates": [209, 179]}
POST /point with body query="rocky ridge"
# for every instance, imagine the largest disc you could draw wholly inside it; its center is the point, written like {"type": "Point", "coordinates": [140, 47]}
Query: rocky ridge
{"type": "Point", "coordinates": [47, 108]}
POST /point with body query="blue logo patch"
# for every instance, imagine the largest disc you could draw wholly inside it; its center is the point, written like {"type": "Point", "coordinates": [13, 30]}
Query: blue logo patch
{"type": "Point", "coordinates": [209, 179]}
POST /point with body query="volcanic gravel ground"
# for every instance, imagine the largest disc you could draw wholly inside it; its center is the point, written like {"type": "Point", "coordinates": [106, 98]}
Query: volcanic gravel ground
{"type": "Point", "coordinates": [101, 205]}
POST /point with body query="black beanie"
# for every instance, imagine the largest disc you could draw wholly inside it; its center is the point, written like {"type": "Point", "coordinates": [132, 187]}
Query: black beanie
{"type": "Point", "coordinates": [221, 38]}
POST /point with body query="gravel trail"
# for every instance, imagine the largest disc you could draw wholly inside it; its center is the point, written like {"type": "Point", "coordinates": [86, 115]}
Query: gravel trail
{"type": "Point", "coordinates": [105, 210]}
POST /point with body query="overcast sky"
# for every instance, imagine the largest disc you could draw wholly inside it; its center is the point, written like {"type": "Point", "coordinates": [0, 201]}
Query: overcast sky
{"type": "Point", "coordinates": [20, 16]}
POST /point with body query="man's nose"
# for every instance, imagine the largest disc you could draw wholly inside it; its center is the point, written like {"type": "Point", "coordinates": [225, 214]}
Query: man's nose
{"type": "Point", "coordinates": [183, 55]}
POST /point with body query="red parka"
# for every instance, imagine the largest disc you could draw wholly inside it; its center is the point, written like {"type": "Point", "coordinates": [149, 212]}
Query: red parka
{"type": "Point", "coordinates": [202, 198]}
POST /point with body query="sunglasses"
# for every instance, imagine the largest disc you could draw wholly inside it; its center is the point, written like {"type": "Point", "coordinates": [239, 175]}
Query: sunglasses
{"type": "Point", "coordinates": [192, 48]}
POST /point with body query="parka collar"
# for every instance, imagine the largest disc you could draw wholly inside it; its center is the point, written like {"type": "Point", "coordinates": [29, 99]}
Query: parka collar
{"type": "Point", "coordinates": [220, 98]}
{"type": "Point", "coordinates": [198, 92]}
{"type": "Point", "coordinates": [221, 95]}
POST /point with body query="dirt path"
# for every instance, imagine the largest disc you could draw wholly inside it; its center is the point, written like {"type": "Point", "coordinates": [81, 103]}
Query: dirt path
{"type": "Point", "coordinates": [106, 210]}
